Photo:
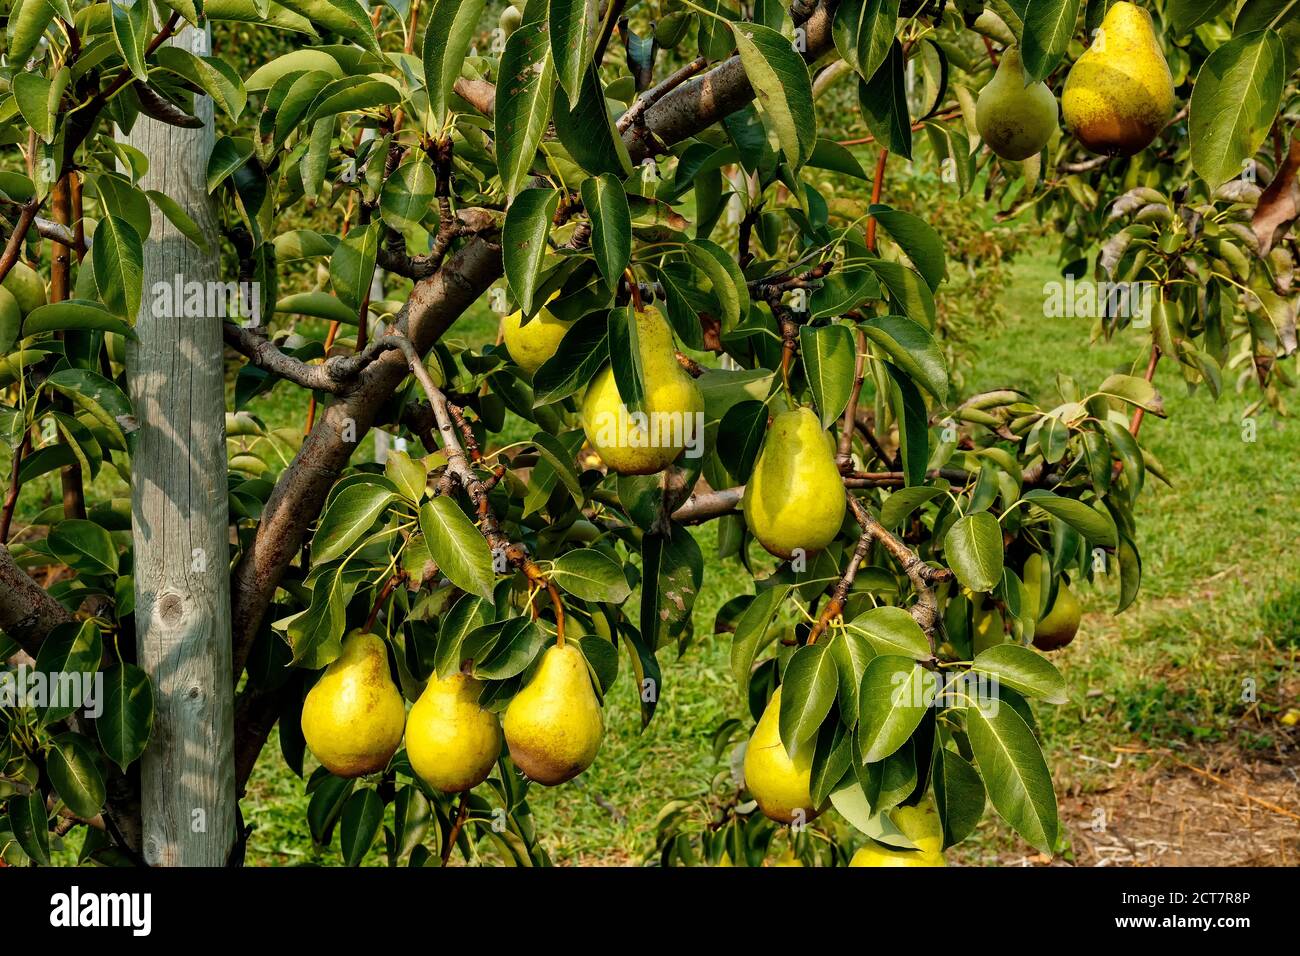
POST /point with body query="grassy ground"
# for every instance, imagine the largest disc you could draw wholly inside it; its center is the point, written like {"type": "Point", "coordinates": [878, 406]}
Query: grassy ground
{"type": "Point", "coordinates": [1217, 617]}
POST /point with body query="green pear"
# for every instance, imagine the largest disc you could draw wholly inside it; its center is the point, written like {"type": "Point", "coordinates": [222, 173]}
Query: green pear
{"type": "Point", "coordinates": [1120, 94]}
{"type": "Point", "coordinates": [554, 725]}
{"type": "Point", "coordinates": [794, 500]}
{"type": "Point", "coordinates": [644, 442]}
{"type": "Point", "coordinates": [1059, 625]}
{"type": "Point", "coordinates": [510, 19]}
{"type": "Point", "coordinates": [533, 342]}
{"type": "Point", "coordinates": [1034, 578]}
{"type": "Point", "coordinates": [780, 783]}
{"type": "Point", "coordinates": [921, 825]}
{"type": "Point", "coordinates": [353, 717]}
{"type": "Point", "coordinates": [1015, 120]}
{"type": "Point", "coordinates": [26, 286]}
{"type": "Point", "coordinates": [451, 740]}
{"type": "Point", "coordinates": [11, 318]}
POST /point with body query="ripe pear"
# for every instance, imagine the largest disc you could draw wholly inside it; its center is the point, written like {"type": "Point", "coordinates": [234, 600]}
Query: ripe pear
{"type": "Point", "coordinates": [1119, 94]}
{"type": "Point", "coordinates": [26, 286]}
{"type": "Point", "coordinates": [795, 498]}
{"type": "Point", "coordinates": [353, 717]}
{"type": "Point", "coordinates": [554, 725]}
{"type": "Point", "coordinates": [779, 783]}
{"type": "Point", "coordinates": [1015, 120]}
{"type": "Point", "coordinates": [921, 825]}
{"type": "Point", "coordinates": [788, 859]}
{"type": "Point", "coordinates": [452, 741]}
{"type": "Point", "coordinates": [1061, 623]}
{"type": "Point", "coordinates": [531, 343]}
{"type": "Point", "coordinates": [987, 628]}
{"type": "Point", "coordinates": [627, 442]}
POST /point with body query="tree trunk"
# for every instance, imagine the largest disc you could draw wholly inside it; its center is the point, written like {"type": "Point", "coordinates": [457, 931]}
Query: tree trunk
{"type": "Point", "coordinates": [179, 512]}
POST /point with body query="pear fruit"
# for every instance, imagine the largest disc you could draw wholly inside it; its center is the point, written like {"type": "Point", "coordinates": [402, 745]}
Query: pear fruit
{"type": "Point", "coordinates": [781, 784]}
{"type": "Point", "coordinates": [794, 500]}
{"type": "Point", "coordinates": [987, 628]}
{"type": "Point", "coordinates": [26, 286]}
{"type": "Point", "coordinates": [353, 717]}
{"type": "Point", "coordinates": [642, 443]}
{"type": "Point", "coordinates": [452, 742]}
{"type": "Point", "coordinates": [1059, 625]}
{"type": "Point", "coordinates": [1015, 120]}
{"type": "Point", "coordinates": [921, 825]}
{"type": "Point", "coordinates": [510, 19]}
{"type": "Point", "coordinates": [11, 318]}
{"type": "Point", "coordinates": [788, 859]}
{"type": "Point", "coordinates": [554, 725]}
{"type": "Point", "coordinates": [531, 343]}
{"type": "Point", "coordinates": [1119, 94]}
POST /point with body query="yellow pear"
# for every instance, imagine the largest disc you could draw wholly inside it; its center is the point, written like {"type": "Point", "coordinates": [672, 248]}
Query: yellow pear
{"type": "Point", "coordinates": [922, 826]}
{"type": "Point", "coordinates": [26, 286]}
{"type": "Point", "coordinates": [531, 343]}
{"type": "Point", "coordinates": [353, 717]}
{"type": "Point", "coordinates": [1015, 120]}
{"type": "Point", "coordinates": [987, 628]}
{"type": "Point", "coordinates": [452, 741]}
{"type": "Point", "coordinates": [1059, 625]}
{"type": "Point", "coordinates": [779, 783]}
{"type": "Point", "coordinates": [788, 859]}
{"type": "Point", "coordinates": [554, 725]}
{"type": "Point", "coordinates": [794, 500]}
{"type": "Point", "coordinates": [670, 419]}
{"type": "Point", "coordinates": [1119, 94]}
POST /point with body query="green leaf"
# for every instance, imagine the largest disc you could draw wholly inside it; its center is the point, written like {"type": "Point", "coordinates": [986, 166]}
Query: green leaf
{"type": "Point", "coordinates": [1013, 768]}
{"type": "Point", "coordinates": [863, 31]}
{"type": "Point", "coordinates": [211, 74]}
{"type": "Point", "coordinates": [674, 568]}
{"type": "Point", "coordinates": [30, 825]}
{"type": "Point", "coordinates": [1048, 27]}
{"type": "Point", "coordinates": [327, 801]}
{"type": "Point", "coordinates": [1022, 670]}
{"type": "Point", "coordinates": [625, 356]}
{"type": "Point", "coordinates": [74, 314]}
{"type": "Point", "coordinates": [407, 195]}
{"type": "Point", "coordinates": [118, 259]}
{"type": "Point", "coordinates": [447, 37]}
{"type": "Point", "coordinates": [69, 657]}
{"type": "Point", "coordinates": [740, 437]}
{"type": "Point", "coordinates": [28, 20]}
{"type": "Point", "coordinates": [973, 547]}
{"type": "Point", "coordinates": [828, 354]}
{"type": "Point", "coordinates": [883, 102]}
{"type": "Point", "coordinates": [582, 352]}
{"type": "Point", "coordinates": [179, 218]}
{"type": "Point", "coordinates": [77, 780]}
{"type": "Point", "coordinates": [410, 477]}
{"type": "Point", "coordinates": [352, 267]}
{"type": "Point", "coordinates": [591, 575]}
{"type": "Point", "coordinates": [461, 552]}
{"type": "Point", "coordinates": [131, 32]}
{"type": "Point", "coordinates": [913, 349]}
{"type": "Point", "coordinates": [611, 225]}
{"type": "Point", "coordinates": [97, 396]}
{"type": "Point", "coordinates": [347, 18]}
{"type": "Point", "coordinates": [523, 241]}
{"type": "Point", "coordinates": [588, 131]}
{"type": "Point", "coordinates": [362, 816]}
{"type": "Point", "coordinates": [1097, 526]}
{"type": "Point", "coordinates": [917, 238]}
{"type": "Point", "coordinates": [892, 700]}
{"type": "Point", "coordinates": [84, 546]}
{"type": "Point", "coordinates": [852, 653]}
{"type": "Point", "coordinates": [349, 96]}
{"type": "Point", "coordinates": [892, 630]}
{"type": "Point", "coordinates": [914, 425]}
{"type": "Point", "coordinates": [807, 694]}
{"type": "Point", "coordinates": [320, 305]}
{"type": "Point", "coordinates": [228, 154]}
{"type": "Point", "coordinates": [1234, 103]}
{"type": "Point", "coordinates": [348, 516]}
{"type": "Point", "coordinates": [958, 795]}
{"type": "Point", "coordinates": [32, 94]}
{"type": "Point", "coordinates": [525, 92]}
{"type": "Point", "coordinates": [904, 501]}
{"type": "Point", "coordinates": [127, 719]}
{"type": "Point", "coordinates": [513, 651]}
{"type": "Point", "coordinates": [781, 84]}
{"type": "Point", "coordinates": [726, 278]}
{"type": "Point", "coordinates": [571, 24]}
{"type": "Point", "coordinates": [751, 631]}
{"type": "Point", "coordinates": [468, 614]}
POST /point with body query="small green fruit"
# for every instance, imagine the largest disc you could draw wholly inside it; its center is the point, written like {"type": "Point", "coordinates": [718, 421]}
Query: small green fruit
{"type": "Point", "coordinates": [1015, 120]}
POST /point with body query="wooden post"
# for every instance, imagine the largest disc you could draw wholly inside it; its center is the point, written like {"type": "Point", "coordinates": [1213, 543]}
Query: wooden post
{"type": "Point", "coordinates": [179, 512]}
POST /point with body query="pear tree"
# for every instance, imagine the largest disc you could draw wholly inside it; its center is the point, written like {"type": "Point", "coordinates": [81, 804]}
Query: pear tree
{"type": "Point", "coordinates": [705, 360]}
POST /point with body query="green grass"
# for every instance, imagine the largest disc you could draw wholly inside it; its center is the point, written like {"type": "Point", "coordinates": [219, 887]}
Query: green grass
{"type": "Point", "coordinates": [1219, 605]}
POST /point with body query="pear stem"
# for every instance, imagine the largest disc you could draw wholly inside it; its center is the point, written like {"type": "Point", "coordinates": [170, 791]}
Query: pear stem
{"type": "Point", "coordinates": [461, 813]}
{"type": "Point", "coordinates": [877, 186]}
{"type": "Point", "coordinates": [849, 425]}
{"type": "Point", "coordinates": [634, 289]}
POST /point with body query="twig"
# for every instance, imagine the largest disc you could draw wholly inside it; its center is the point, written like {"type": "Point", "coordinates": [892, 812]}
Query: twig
{"type": "Point", "coordinates": [454, 835]}
{"type": "Point", "coordinates": [636, 112]}
{"type": "Point", "coordinates": [1140, 412]}
{"type": "Point", "coordinates": [877, 186]}
{"type": "Point", "coordinates": [334, 375]}
{"type": "Point", "coordinates": [835, 606]}
{"type": "Point", "coordinates": [15, 485]}
{"type": "Point", "coordinates": [844, 456]}
{"type": "Point", "coordinates": [26, 216]}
